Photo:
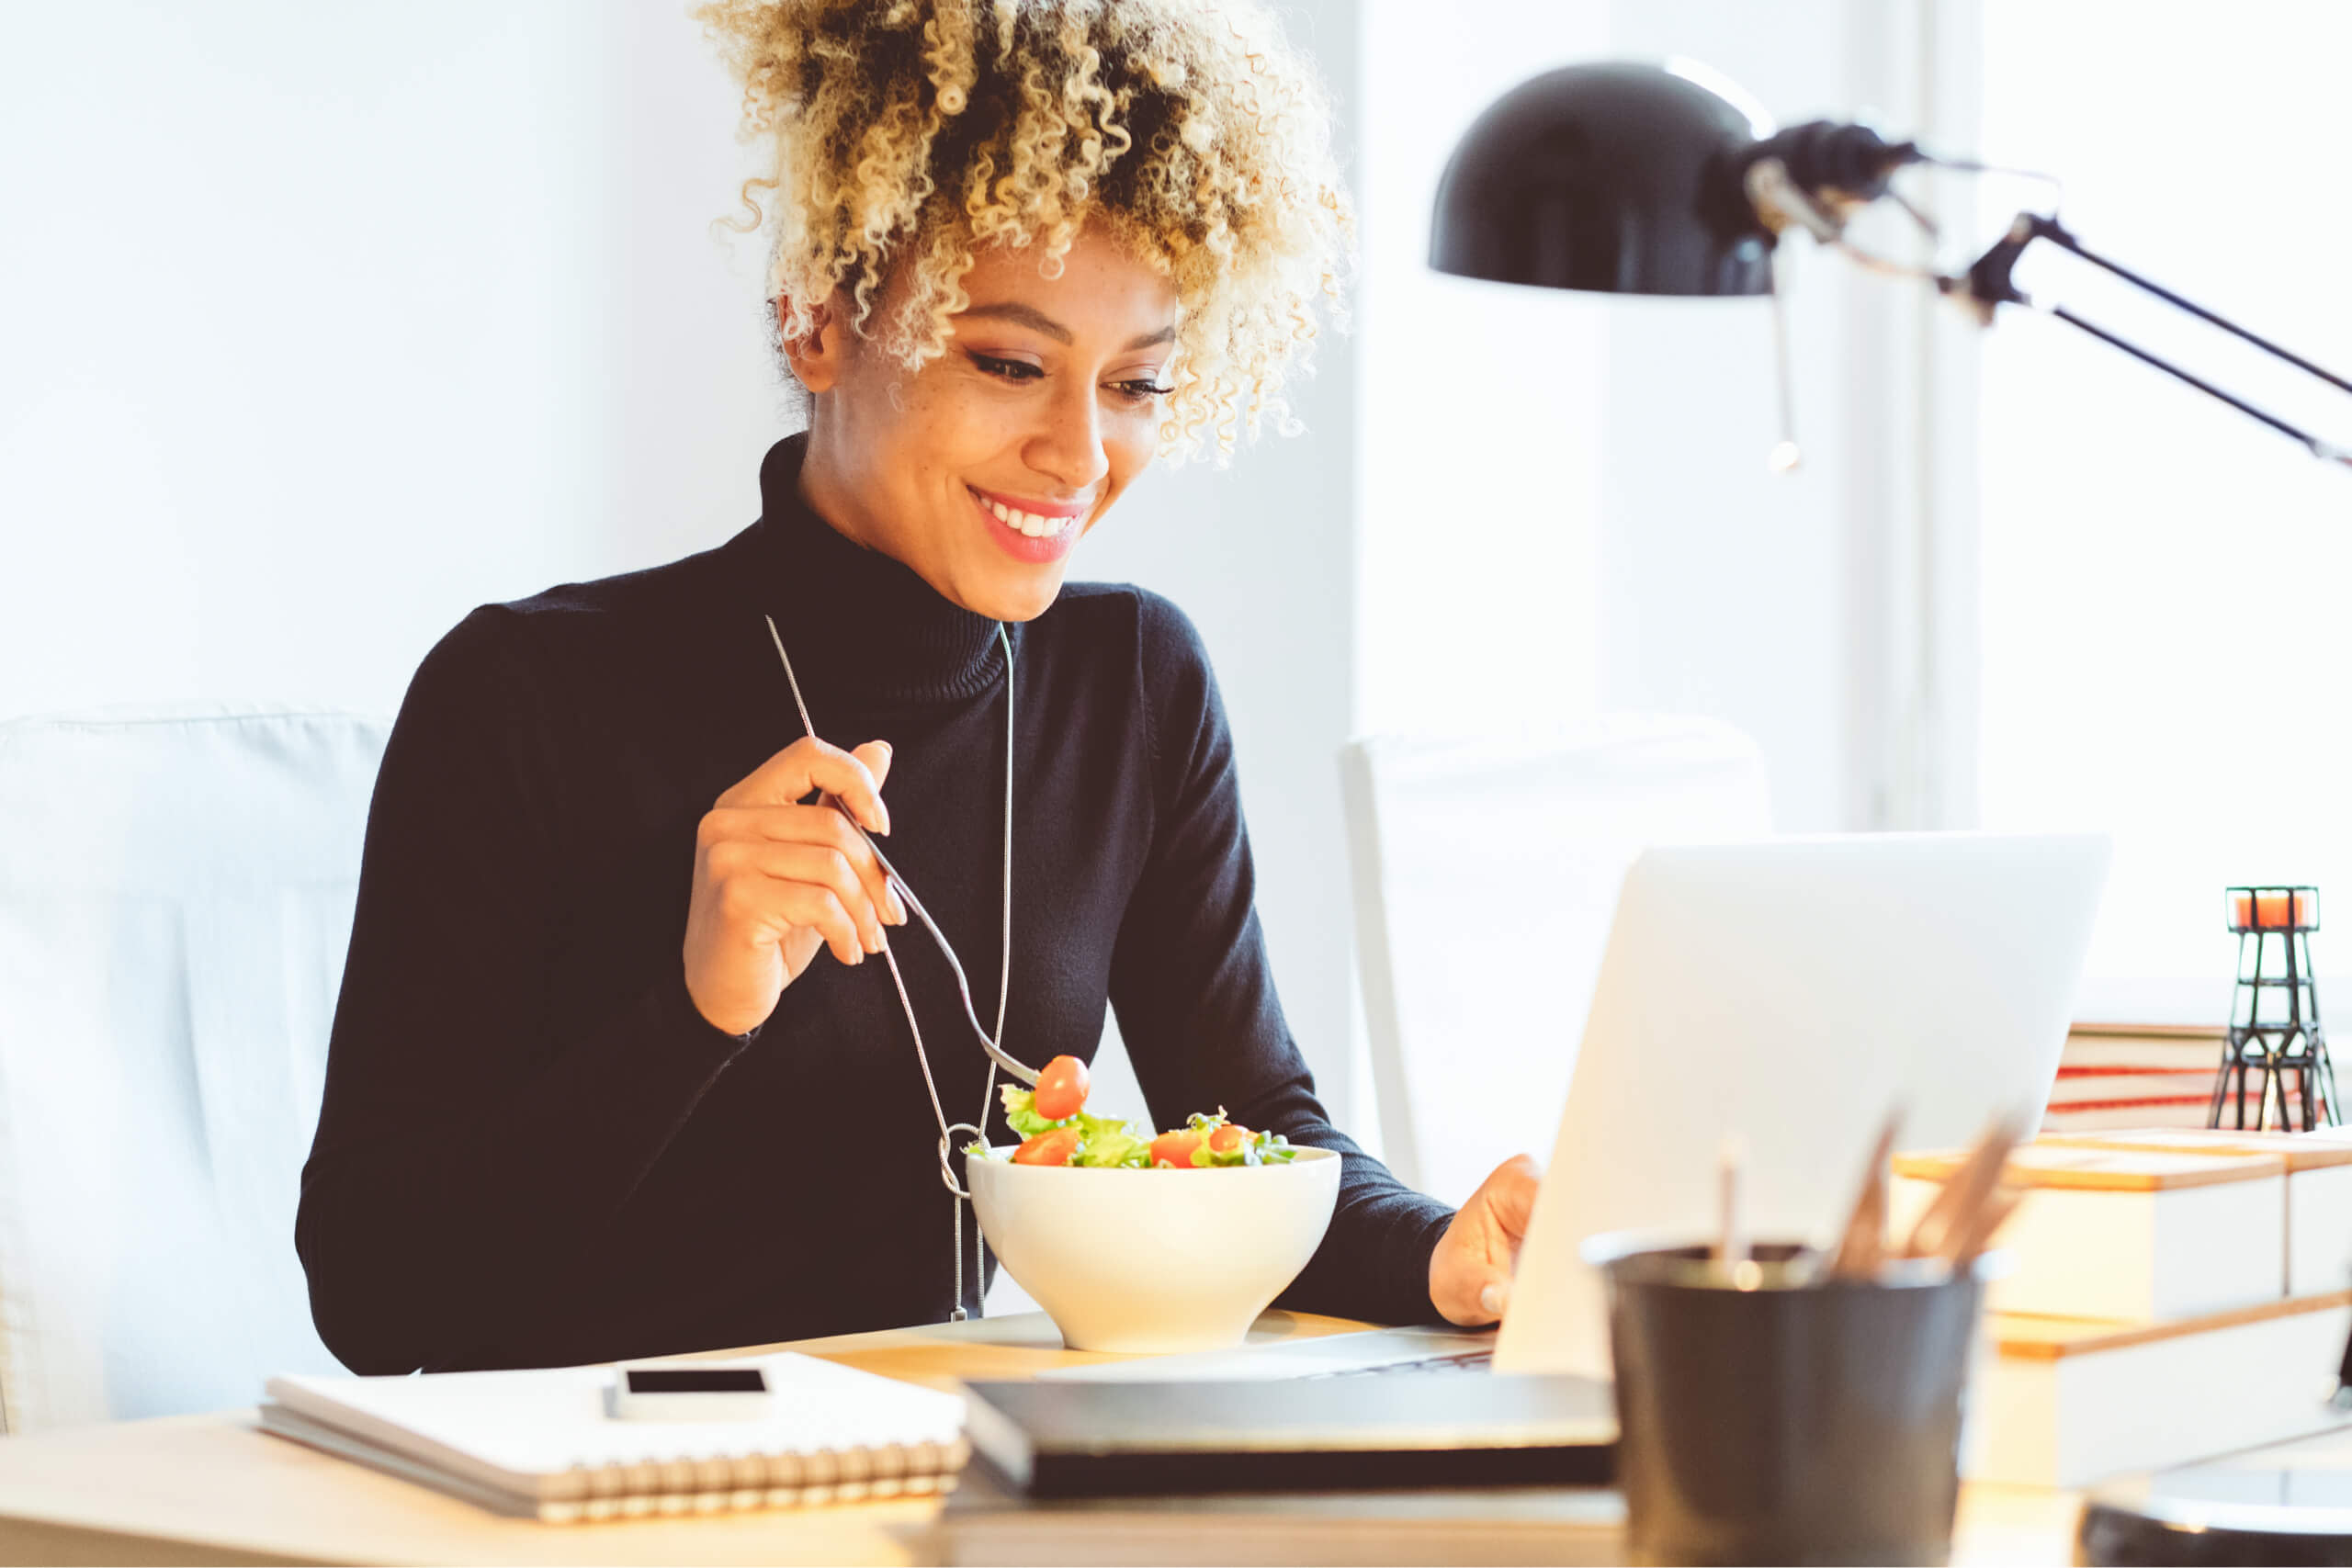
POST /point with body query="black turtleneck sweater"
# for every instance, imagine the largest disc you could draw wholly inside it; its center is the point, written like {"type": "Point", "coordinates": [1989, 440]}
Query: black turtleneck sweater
{"type": "Point", "coordinates": [533, 1151]}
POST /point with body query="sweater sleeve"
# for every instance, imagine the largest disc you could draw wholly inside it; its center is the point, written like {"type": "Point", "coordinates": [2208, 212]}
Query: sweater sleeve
{"type": "Point", "coordinates": [1196, 1000]}
{"type": "Point", "coordinates": [467, 1153]}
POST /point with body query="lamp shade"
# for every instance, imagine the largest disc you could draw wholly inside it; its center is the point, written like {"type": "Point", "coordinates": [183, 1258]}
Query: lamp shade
{"type": "Point", "coordinates": [1621, 178]}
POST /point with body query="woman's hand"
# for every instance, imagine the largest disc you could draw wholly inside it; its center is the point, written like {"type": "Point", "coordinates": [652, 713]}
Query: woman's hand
{"type": "Point", "coordinates": [1470, 1270]}
{"type": "Point", "coordinates": [776, 880]}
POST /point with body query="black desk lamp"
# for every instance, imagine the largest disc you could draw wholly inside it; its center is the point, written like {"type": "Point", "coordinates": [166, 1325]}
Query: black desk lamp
{"type": "Point", "coordinates": [1622, 178]}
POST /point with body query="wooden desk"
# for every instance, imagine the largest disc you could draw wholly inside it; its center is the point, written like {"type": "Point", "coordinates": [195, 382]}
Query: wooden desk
{"type": "Point", "coordinates": [215, 1489]}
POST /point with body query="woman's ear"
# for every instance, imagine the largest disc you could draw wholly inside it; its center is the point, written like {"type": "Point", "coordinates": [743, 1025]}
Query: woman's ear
{"type": "Point", "coordinates": [818, 356]}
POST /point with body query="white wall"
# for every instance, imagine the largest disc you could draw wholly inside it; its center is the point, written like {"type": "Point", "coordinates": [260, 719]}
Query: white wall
{"type": "Point", "coordinates": [691, 395]}
{"type": "Point", "coordinates": [310, 327]}
{"type": "Point", "coordinates": [2165, 580]}
{"type": "Point", "coordinates": [1480, 404]}
{"type": "Point", "coordinates": [1564, 498]}
{"type": "Point", "coordinates": [1726, 589]}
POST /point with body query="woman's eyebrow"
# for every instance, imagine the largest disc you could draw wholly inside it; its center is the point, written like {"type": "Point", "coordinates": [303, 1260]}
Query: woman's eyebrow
{"type": "Point", "coordinates": [1029, 316]}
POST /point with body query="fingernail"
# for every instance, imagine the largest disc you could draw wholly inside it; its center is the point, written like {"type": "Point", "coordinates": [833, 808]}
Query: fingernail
{"type": "Point", "coordinates": [897, 909]}
{"type": "Point", "coordinates": [1492, 1298]}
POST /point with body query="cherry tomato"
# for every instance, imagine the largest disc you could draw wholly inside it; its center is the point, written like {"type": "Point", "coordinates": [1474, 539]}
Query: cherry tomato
{"type": "Point", "coordinates": [1061, 1088]}
{"type": "Point", "coordinates": [1053, 1147]}
{"type": "Point", "coordinates": [1228, 1138]}
{"type": "Point", "coordinates": [1174, 1148]}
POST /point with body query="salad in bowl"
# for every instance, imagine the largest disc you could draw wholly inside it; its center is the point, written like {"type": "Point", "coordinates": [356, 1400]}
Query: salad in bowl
{"type": "Point", "coordinates": [1124, 1255]}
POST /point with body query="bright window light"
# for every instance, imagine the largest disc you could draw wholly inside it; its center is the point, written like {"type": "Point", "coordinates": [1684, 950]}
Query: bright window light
{"type": "Point", "coordinates": [2163, 577]}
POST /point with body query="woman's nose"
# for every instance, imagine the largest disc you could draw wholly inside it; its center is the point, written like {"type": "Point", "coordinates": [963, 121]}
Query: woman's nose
{"type": "Point", "coordinates": [1069, 448]}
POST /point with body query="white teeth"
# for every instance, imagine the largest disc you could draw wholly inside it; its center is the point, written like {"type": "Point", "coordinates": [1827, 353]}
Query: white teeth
{"type": "Point", "coordinates": [1026, 523]}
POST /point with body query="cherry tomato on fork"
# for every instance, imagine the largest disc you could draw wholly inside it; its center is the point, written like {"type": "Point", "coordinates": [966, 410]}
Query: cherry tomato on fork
{"type": "Point", "coordinates": [1061, 1088]}
{"type": "Point", "coordinates": [1054, 1145]}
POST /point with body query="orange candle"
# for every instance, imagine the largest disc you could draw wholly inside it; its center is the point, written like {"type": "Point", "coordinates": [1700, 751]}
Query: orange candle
{"type": "Point", "coordinates": [2271, 909]}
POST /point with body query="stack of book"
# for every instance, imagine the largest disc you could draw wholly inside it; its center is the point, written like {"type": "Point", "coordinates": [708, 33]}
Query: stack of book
{"type": "Point", "coordinates": [2317, 1245]}
{"type": "Point", "coordinates": [2134, 1075]}
{"type": "Point", "coordinates": [2163, 1305]}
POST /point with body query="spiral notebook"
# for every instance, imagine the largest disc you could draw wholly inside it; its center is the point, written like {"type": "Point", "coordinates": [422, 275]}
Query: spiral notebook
{"type": "Point", "coordinates": [539, 1443]}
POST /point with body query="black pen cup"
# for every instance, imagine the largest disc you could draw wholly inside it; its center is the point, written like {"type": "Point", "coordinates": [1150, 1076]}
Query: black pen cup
{"type": "Point", "coordinates": [1766, 1418]}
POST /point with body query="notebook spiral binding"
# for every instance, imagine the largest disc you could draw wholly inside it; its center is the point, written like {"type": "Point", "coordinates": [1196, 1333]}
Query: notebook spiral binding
{"type": "Point", "coordinates": [731, 1483]}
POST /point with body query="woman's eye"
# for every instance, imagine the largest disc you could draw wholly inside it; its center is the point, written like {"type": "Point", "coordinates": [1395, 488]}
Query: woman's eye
{"type": "Point", "coordinates": [1010, 369]}
{"type": "Point", "coordinates": [1134, 389]}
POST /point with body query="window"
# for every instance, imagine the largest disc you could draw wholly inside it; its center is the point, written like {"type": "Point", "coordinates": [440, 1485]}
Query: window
{"type": "Point", "coordinates": [2161, 577]}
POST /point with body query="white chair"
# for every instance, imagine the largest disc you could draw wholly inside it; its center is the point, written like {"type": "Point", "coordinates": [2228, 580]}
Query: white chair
{"type": "Point", "coordinates": [176, 894]}
{"type": "Point", "coordinates": [1485, 873]}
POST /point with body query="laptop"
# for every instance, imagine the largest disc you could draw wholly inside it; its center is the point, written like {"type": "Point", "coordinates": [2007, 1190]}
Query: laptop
{"type": "Point", "coordinates": [1787, 990]}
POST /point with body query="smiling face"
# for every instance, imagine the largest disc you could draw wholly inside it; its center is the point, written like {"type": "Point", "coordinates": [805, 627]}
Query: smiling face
{"type": "Point", "coordinates": [981, 470]}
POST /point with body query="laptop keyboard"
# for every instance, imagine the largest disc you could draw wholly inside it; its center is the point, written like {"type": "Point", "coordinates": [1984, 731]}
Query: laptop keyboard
{"type": "Point", "coordinates": [1468, 1362]}
{"type": "Point", "coordinates": [1346, 1355]}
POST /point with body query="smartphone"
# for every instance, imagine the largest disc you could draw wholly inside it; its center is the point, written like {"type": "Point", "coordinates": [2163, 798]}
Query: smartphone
{"type": "Point", "coordinates": [690, 1391]}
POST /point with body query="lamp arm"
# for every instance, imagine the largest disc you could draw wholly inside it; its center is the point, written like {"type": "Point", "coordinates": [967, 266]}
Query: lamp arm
{"type": "Point", "coordinates": [1989, 283]}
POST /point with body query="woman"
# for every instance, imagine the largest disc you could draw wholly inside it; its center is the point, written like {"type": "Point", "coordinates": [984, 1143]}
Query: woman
{"type": "Point", "coordinates": [611, 1073]}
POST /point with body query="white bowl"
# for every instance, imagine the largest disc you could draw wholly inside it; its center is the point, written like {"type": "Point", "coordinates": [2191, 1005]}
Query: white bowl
{"type": "Point", "coordinates": [1153, 1261]}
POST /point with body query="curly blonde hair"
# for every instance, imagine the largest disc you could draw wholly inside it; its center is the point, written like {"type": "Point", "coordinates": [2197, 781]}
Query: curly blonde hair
{"type": "Point", "coordinates": [907, 133]}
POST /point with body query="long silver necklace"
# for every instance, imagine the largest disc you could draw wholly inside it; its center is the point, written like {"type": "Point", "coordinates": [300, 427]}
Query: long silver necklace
{"type": "Point", "coordinates": [993, 1044]}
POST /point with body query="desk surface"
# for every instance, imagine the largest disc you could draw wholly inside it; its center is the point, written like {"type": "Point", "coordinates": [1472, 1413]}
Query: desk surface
{"type": "Point", "coordinates": [214, 1489]}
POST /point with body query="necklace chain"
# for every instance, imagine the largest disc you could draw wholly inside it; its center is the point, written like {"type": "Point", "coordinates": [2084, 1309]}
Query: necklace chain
{"type": "Point", "coordinates": [958, 1196]}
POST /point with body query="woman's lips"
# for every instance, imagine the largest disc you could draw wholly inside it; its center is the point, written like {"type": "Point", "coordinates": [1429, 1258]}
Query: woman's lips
{"type": "Point", "coordinates": [1040, 551]}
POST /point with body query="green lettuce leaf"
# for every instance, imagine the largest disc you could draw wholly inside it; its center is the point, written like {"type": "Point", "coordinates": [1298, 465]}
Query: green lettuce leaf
{"type": "Point", "coordinates": [1107, 1143]}
{"type": "Point", "coordinates": [1021, 1113]}
{"type": "Point", "coordinates": [1259, 1148]}
{"type": "Point", "coordinates": [1104, 1142]}
{"type": "Point", "coordinates": [1110, 1145]}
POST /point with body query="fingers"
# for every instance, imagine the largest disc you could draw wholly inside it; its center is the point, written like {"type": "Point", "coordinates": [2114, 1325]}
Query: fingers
{"type": "Point", "coordinates": [774, 879]}
{"type": "Point", "coordinates": [875, 755]}
{"type": "Point", "coordinates": [1474, 1299]}
{"type": "Point", "coordinates": [820, 865]}
{"type": "Point", "coordinates": [825, 826]}
{"type": "Point", "coordinates": [809, 764]}
{"type": "Point", "coordinates": [755, 909]}
{"type": "Point", "coordinates": [814, 907]}
{"type": "Point", "coordinates": [1468, 1291]}
{"type": "Point", "coordinates": [1470, 1272]}
{"type": "Point", "coordinates": [1510, 1195]}
{"type": "Point", "coordinates": [818, 825]}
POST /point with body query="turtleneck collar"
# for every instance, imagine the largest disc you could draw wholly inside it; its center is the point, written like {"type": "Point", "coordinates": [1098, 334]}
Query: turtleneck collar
{"type": "Point", "coordinates": [858, 622]}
